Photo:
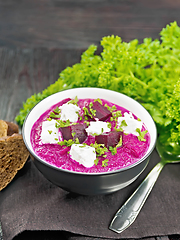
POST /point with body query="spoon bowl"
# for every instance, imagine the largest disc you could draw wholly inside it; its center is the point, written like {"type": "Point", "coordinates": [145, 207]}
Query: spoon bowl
{"type": "Point", "coordinates": [126, 215]}
{"type": "Point", "coordinates": [169, 153]}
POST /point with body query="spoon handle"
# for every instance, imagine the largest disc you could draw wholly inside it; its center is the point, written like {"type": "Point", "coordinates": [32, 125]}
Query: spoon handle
{"type": "Point", "coordinates": [127, 214]}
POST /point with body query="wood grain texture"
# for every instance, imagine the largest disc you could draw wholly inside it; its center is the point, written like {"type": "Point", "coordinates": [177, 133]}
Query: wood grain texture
{"type": "Point", "coordinates": [24, 72]}
{"type": "Point", "coordinates": [77, 24]}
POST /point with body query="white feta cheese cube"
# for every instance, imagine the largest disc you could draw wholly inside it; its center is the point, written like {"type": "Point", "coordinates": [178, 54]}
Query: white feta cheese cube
{"type": "Point", "coordinates": [97, 128]}
{"type": "Point", "coordinates": [132, 124]}
{"type": "Point", "coordinates": [69, 111]}
{"type": "Point", "coordinates": [83, 154]}
{"type": "Point", "coordinates": [49, 132]}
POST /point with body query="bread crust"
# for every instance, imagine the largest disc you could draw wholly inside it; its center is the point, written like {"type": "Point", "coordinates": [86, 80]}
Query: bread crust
{"type": "Point", "coordinates": [13, 153]}
{"type": "Point", "coordinates": [3, 128]}
{"type": "Point", "coordinates": [8, 128]}
{"type": "Point", "coordinates": [12, 128]}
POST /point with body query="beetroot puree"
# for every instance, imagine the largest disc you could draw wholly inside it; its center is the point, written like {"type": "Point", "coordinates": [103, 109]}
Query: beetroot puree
{"type": "Point", "coordinates": [130, 152]}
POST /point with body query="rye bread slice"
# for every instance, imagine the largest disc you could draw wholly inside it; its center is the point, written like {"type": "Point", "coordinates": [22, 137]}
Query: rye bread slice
{"type": "Point", "coordinates": [13, 156]}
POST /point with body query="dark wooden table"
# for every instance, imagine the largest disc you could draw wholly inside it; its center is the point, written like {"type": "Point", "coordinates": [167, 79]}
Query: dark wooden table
{"type": "Point", "coordinates": [77, 24]}
{"type": "Point", "coordinates": [38, 39]}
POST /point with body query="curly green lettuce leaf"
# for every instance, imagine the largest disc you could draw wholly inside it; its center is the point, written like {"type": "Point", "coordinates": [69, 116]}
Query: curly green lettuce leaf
{"type": "Point", "coordinates": [148, 72]}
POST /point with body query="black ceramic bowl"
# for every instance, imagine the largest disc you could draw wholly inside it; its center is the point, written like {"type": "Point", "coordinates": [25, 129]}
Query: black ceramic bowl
{"type": "Point", "coordinates": [96, 183]}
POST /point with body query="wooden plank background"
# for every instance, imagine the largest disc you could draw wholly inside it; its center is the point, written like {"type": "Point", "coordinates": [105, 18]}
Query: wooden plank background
{"type": "Point", "coordinates": [24, 72]}
{"type": "Point", "coordinates": [79, 23]}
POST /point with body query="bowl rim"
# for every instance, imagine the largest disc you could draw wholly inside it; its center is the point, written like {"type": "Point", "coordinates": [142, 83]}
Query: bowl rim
{"type": "Point", "coordinates": [147, 155]}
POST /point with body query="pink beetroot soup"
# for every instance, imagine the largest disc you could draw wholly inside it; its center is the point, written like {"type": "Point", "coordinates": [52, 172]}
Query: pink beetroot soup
{"type": "Point", "coordinates": [130, 152]}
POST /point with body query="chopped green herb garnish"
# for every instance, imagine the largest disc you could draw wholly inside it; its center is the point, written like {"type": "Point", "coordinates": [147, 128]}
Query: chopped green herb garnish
{"type": "Point", "coordinates": [86, 112]}
{"type": "Point", "coordinates": [74, 101]}
{"type": "Point", "coordinates": [96, 161]}
{"type": "Point", "coordinates": [61, 123]}
{"type": "Point", "coordinates": [93, 112]}
{"type": "Point", "coordinates": [111, 109]}
{"type": "Point", "coordinates": [105, 162]}
{"type": "Point", "coordinates": [82, 146]}
{"type": "Point", "coordinates": [49, 131]}
{"type": "Point", "coordinates": [73, 134]}
{"type": "Point", "coordinates": [53, 115]}
{"type": "Point", "coordinates": [94, 134]}
{"type": "Point", "coordinates": [61, 143]}
{"type": "Point", "coordinates": [98, 100]}
{"type": "Point", "coordinates": [77, 141]}
{"type": "Point", "coordinates": [87, 123]}
{"type": "Point", "coordinates": [57, 110]}
{"type": "Point", "coordinates": [79, 116]}
{"type": "Point", "coordinates": [49, 119]}
{"type": "Point", "coordinates": [67, 143]}
{"type": "Point", "coordinates": [99, 148]}
{"type": "Point", "coordinates": [107, 106]}
{"type": "Point", "coordinates": [111, 119]}
{"type": "Point", "coordinates": [113, 150]}
{"type": "Point", "coordinates": [118, 129]}
{"type": "Point", "coordinates": [123, 123]}
{"type": "Point", "coordinates": [141, 134]}
{"type": "Point", "coordinates": [119, 143]}
{"type": "Point", "coordinates": [116, 114]}
{"type": "Point", "coordinates": [90, 104]}
{"type": "Point", "coordinates": [109, 125]}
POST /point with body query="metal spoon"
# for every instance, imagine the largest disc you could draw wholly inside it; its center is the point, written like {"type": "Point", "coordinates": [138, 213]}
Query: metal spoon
{"type": "Point", "coordinates": [127, 214]}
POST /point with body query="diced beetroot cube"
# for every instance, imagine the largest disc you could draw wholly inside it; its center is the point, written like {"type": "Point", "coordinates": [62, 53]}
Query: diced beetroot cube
{"type": "Point", "coordinates": [80, 132]}
{"type": "Point", "coordinates": [73, 132]}
{"type": "Point", "coordinates": [102, 113]}
{"type": "Point", "coordinates": [109, 139]}
{"type": "Point", "coordinates": [66, 133]}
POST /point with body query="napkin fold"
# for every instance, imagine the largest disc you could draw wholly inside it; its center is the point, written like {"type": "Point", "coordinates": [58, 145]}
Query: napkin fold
{"type": "Point", "coordinates": [32, 203]}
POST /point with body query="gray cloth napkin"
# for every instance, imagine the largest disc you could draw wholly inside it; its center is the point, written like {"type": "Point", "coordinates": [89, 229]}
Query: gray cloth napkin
{"type": "Point", "coordinates": [32, 203]}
